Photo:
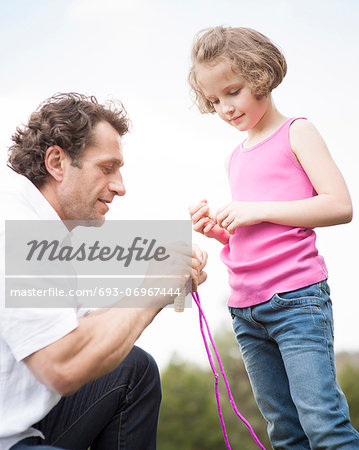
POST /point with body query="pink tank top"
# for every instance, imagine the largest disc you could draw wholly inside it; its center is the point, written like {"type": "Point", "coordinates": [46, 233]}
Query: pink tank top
{"type": "Point", "coordinates": [267, 258]}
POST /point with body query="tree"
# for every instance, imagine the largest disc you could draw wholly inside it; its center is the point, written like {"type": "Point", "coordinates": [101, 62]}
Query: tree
{"type": "Point", "coordinates": [239, 435]}
{"type": "Point", "coordinates": [348, 379]}
{"type": "Point", "coordinates": [189, 418]}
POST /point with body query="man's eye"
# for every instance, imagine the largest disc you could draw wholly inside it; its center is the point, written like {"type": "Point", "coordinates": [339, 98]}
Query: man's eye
{"type": "Point", "coordinates": [107, 170]}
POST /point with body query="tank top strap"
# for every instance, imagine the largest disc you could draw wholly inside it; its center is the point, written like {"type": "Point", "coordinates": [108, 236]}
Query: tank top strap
{"type": "Point", "coordinates": [293, 119]}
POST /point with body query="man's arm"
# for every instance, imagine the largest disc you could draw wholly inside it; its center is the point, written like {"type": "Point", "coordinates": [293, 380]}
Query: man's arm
{"type": "Point", "coordinates": [96, 347]}
{"type": "Point", "coordinates": [101, 341]}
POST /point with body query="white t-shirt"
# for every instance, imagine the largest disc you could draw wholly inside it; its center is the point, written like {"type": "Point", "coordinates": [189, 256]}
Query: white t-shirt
{"type": "Point", "coordinates": [23, 399]}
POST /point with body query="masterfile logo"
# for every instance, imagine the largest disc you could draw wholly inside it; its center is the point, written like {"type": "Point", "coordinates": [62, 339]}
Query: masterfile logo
{"type": "Point", "coordinates": [92, 266]}
{"type": "Point", "coordinates": [140, 249]}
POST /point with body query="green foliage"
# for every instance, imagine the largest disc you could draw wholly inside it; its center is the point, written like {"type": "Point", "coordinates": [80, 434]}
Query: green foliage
{"type": "Point", "coordinates": [348, 379]}
{"type": "Point", "coordinates": [189, 418]}
{"type": "Point", "coordinates": [239, 435]}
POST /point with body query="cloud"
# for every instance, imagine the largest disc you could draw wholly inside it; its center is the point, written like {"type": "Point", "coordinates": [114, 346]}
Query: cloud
{"type": "Point", "coordinates": [116, 16]}
{"type": "Point", "coordinates": [95, 9]}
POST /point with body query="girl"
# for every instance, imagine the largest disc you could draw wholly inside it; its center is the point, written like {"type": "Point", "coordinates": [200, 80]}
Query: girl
{"type": "Point", "coordinates": [284, 183]}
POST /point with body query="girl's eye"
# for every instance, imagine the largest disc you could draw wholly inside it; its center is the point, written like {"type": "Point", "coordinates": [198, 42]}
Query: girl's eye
{"type": "Point", "coordinates": [214, 102]}
{"type": "Point", "coordinates": [236, 92]}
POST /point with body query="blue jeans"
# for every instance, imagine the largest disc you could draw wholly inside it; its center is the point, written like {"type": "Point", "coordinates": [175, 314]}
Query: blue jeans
{"type": "Point", "coordinates": [118, 410]}
{"type": "Point", "coordinates": [287, 348]}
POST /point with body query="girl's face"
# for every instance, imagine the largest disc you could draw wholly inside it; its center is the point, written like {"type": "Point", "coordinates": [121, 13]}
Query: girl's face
{"type": "Point", "coordinates": [231, 95]}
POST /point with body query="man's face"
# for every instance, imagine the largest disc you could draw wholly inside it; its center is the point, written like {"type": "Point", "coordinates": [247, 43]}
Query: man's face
{"type": "Point", "coordinates": [86, 191]}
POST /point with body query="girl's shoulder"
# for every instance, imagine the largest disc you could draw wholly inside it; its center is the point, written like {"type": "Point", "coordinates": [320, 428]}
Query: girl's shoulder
{"type": "Point", "coordinates": [301, 125]}
{"type": "Point", "coordinates": [304, 138]}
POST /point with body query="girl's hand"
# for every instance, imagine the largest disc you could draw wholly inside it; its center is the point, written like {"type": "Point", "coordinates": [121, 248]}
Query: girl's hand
{"type": "Point", "coordinates": [204, 224]}
{"type": "Point", "coordinates": [236, 214]}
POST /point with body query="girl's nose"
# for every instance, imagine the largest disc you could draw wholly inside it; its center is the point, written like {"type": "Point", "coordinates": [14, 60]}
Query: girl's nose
{"type": "Point", "coordinates": [228, 108]}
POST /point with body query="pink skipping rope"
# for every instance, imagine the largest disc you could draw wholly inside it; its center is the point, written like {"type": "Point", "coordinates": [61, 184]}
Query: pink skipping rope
{"type": "Point", "coordinates": [201, 319]}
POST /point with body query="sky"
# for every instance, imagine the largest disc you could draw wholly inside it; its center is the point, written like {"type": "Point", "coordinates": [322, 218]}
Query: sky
{"type": "Point", "coordinates": [138, 51]}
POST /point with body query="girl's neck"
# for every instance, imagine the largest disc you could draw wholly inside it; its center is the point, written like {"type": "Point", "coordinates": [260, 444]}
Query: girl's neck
{"type": "Point", "coordinates": [271, 120]}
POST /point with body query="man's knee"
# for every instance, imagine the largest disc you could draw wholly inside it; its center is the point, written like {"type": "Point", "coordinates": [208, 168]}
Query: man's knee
{"type": "Point", "coordinates": [142, 371]}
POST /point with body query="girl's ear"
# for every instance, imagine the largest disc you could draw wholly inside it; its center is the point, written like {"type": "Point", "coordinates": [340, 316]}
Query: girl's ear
{"type": "Point", "coordinates": [54, 162]}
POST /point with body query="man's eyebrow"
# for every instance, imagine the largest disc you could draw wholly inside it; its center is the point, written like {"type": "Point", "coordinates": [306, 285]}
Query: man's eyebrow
{"type": "Point", "coordinates": [116, 161]}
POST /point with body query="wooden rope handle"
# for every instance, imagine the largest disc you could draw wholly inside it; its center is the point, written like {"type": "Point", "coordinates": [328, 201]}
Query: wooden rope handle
{"type": "Point", "coordinates": [180, 300]}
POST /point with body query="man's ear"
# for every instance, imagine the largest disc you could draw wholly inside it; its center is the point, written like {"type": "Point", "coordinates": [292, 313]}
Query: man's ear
{"type": "Point", "coordinates": [54, 162]}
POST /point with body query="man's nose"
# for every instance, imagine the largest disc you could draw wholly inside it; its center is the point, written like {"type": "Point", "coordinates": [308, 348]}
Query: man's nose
{"type": "Point", "coordinates": [117, 186]}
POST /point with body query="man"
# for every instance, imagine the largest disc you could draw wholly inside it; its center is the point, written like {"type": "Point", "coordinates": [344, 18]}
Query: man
{"type": "Point", "coordinates": [69, 379]}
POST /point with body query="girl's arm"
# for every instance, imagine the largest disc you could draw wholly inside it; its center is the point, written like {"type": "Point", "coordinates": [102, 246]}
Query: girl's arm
{"type": "Point", "coordinates": [332, 205]}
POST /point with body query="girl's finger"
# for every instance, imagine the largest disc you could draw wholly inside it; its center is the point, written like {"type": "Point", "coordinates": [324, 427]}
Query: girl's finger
{"type": "Point", "coordinates": [202, 212]}
{"type": "Point", "coordinates": [193, 208]}
{"type": "Point", "coordinates": [198, 226]}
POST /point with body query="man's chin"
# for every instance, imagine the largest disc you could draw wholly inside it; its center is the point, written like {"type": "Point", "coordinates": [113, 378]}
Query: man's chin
{"type": "Point", "coordinates": [98, 222]}
{"type": "Point", "coordinates": [94, 222]}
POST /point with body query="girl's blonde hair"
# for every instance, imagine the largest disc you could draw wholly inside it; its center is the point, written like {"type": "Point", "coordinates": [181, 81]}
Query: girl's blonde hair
{"type": "Point", "coordinates": [251, 54]}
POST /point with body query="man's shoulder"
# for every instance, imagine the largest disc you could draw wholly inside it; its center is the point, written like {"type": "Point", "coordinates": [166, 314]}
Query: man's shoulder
{"type": "Point", "coordinates": [21, 199]}
{"type": "Point", "coordinates": [15, 194]}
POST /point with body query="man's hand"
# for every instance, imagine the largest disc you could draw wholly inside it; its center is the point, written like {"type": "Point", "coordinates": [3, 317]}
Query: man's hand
{"type": "Point", "coordinates": [184, 263]}
{"type": "Point", "coordinates": [199, 261]}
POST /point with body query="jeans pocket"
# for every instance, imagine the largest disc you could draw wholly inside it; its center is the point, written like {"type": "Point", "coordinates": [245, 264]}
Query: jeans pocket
{"type": "Point", "coordinates": [311, 291]}
{"type": "Point", "coordinates": [306, 300]}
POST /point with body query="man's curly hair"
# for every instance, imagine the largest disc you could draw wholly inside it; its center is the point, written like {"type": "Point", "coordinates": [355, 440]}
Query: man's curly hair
{"type": "Point", "coordinates": [66, 120]}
